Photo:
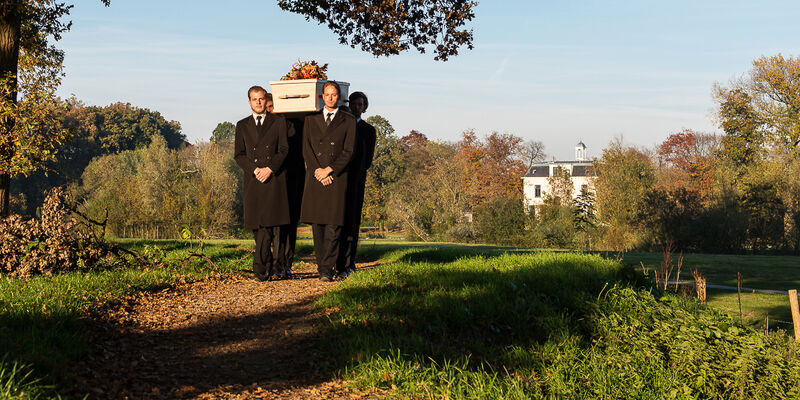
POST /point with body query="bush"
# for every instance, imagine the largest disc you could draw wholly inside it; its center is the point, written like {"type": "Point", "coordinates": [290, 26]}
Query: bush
{"type": "Point", "coordinates": [501, 221]}
{"type": "Point", "coordinates": [54, 242]}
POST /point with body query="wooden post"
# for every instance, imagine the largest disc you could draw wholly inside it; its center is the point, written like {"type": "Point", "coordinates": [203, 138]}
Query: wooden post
{"type": "Point", "coordinates": [795, 313]}
{"type": "Point", "coordinates": [739, 293]}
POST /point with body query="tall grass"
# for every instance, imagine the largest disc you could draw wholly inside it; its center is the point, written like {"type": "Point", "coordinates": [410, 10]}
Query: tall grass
{"type": "Point", "coordinates": [433, 325]}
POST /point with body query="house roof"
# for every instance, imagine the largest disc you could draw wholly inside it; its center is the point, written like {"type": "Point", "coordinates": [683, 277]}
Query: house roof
{"type": "Point", "coordinates": [582, 170]}
{"type": "Point", "coordinates": [542, 170]}
{"type": "Point", "coordinates": [538, 171]}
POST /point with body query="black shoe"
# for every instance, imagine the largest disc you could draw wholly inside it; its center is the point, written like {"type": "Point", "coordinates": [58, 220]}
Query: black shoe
{"type": "Point", "coordinates": [326, 278]}
{"type": "Point", "coordinates": [259, 277]}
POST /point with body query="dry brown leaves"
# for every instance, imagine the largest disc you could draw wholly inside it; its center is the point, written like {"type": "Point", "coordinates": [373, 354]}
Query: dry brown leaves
{"type": "Point", "coordinates": [226, 337]}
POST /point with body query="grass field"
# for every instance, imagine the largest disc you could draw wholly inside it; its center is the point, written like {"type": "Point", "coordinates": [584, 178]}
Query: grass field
{"type": "Point", "coordinates": [455, 307]}
{"type": "Point", "coordinates": [758, 271]}
{"type": "Point", "coordinates": [445, 321]}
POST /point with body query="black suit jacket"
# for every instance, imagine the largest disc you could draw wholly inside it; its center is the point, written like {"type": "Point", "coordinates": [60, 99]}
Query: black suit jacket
{"type": "Point", "coordinates": [267, 203]}
{"type": "Point", "coordinates": [357, 175]}
{"type": "Point", "coordinates": [327, 146]}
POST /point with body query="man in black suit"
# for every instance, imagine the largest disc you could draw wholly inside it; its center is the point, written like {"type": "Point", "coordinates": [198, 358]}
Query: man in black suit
{"type": "Point", "coordinates": [286, 235]}
{"type": "Point", "coordinates": [260, 149]}
{"type": "Point", "coordinates": [328, 144]}
{"type": "Point", "coordinates": [356, 180]}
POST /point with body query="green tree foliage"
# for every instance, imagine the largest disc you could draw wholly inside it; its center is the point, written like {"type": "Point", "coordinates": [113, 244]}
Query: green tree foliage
{"type": "Point", "coordinates": [387, 28]}
{"type": "Point", "coordinates": [624, 176]}
{"type": "Point", "coordinates": [30, 66]}
{"type": "Point", "coordinates": [223, 134]}
{"type": "Point", "coordinates": [760, 114]}
{"type": "Point", "coordinates": [584, 216]}
{"type": "Point", "coordinates": [501, 220]}
{"type": "Point", "coordinates": [155, 191]}
{"type": "Point", "coordinates": [561, 186]}
{"type": "Point", "coordinates": [743, 141]}
{"type": "Point", "coordinates": [94, 131]}
{"type": "Point", "coordinates": [387, 168]}
{"type": "Point", "coordinates": [429, 201]}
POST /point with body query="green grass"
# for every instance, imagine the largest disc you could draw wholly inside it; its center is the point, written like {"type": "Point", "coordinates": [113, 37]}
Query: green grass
{"type": "Point", "coordinates": [758, 271]}
{"type": "Point", "coordinates": [462, 321]}
{"type": "Point", "coordinates": [446, 321]}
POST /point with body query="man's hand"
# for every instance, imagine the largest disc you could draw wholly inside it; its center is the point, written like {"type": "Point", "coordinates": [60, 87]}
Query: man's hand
{"type": "Point", "coordinates": [262, 174]}
{"type": "Point", "coordinates": [327, 181]}
{"type": "Point", "coordinates": [322, 173]}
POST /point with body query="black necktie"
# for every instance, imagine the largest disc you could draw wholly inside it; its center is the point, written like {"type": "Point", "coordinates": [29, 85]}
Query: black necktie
{"type": "Point", "coordinates": [258, 120]}
{"type": "Point", "coordinates": [328, 120]}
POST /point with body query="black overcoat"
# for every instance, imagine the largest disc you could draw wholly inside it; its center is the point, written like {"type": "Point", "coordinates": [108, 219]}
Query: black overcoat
{"type": "Point", "coordinates": [357, 172]}
{"type": "Point", "coordinates": [267, 203]}
{"type": "Point", "coordinates": [327, 146]}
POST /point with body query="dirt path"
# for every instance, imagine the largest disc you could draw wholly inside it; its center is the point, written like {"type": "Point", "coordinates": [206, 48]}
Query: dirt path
{"type": "Point", "coordinates": [227, 337]}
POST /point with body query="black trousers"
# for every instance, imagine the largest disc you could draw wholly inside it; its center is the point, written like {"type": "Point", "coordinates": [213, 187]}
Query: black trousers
{"type": "Point", "coordinates": [347, 248]}
{"type": "Point", "coordinates": [288, 239]}
{"type": "Point", "coordinates": [295, 180]}
{"type": "Point", "coordinates": [326, 246]}
{"type": "Point", "coordinates": [269, 258]}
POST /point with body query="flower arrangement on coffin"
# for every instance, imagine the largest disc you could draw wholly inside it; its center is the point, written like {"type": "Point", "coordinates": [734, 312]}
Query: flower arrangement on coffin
{"type": "Point", "coordinates": [306, 70]}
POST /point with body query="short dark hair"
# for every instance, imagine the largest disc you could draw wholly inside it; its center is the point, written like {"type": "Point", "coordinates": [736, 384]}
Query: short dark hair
{"type": "Point", "coordinates": [334, 84]}
{"type": "Point", "coordinates": [255, 88]}
{"type": "Point", "coordinates": [359, 95]}
{"type": "Point", "coordinates": [269, 96]}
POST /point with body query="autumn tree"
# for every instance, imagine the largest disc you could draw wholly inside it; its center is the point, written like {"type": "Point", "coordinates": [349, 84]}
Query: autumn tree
{"type": "Point", "coordinates": [624, 176]}
{"type": "Point", "coordinates": [387, 28]}
{"type": "Point", "coordinates": [490, 168]}
{"type": "Point", "coordinates": [30, 71]}
{"type": "Point", "coordinates": [690, 161]}
{"type": "Point", "coordinates": [763, 107]}
{"type": "Point", "coordinates": [760, 114]}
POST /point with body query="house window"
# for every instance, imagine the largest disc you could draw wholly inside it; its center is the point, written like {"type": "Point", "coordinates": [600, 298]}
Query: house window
{"type": "Point", "coordinates": [537, 191]}
{"type": "Point", "coordinates": [584, 188]}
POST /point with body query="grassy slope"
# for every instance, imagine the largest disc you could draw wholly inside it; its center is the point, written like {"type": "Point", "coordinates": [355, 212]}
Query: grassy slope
{"type": "Point", "coordinates": [470, 322]}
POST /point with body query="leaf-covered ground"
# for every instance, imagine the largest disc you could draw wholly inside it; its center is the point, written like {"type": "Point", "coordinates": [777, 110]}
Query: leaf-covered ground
{"type": "Point", "coordinates": [225, 337]}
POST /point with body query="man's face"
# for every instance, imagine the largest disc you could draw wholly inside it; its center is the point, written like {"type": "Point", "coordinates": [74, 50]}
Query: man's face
{"type": "Point", "coordinates": [330, 96]}
{"type": "Point", "coordinates": [358, 106]}
{"type": "Point", "coordinates": [258, 101]}
{"type": "Point", "coordinates": [270, 105]}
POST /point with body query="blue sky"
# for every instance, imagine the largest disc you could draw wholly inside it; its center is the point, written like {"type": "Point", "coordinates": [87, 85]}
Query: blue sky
{"type": "Point", "coordinates": [558, 72]}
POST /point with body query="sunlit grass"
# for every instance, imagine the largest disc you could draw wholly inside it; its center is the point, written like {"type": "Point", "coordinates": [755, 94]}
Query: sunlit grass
{"type": "Point", "coordinates": [477, 323]}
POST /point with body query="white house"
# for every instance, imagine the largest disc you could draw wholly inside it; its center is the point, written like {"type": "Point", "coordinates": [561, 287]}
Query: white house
{"type": "Point", "coordinates": [535, 184]}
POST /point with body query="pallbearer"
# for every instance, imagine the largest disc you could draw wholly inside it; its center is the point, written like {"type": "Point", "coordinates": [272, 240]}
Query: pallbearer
{"type": "Point", "coordinates": [286, 235]}
{"type": "Point", "coordinates": [328, 143]}
{"type": "Point", "coordinates": [260, 149]}
{"type": "Point", "coordinates": [356, 180]}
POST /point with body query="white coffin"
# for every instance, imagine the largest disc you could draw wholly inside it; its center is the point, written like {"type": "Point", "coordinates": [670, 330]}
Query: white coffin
{"type": "Point", "coordinates": [302, 95]}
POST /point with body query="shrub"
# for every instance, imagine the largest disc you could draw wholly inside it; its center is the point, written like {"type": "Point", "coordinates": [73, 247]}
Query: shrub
{"type": "Point", "coordinates": [53, 242]}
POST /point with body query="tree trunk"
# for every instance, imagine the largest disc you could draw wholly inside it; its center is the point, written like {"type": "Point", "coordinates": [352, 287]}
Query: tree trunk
{"type": "Point", "coordinates": [10, 25]}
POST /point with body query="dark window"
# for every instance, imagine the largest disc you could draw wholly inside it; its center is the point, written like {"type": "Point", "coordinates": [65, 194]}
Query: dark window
{"type": "Point", "coordinates": [584, 188]}
{"type": "Point", "coordinates": [537, 191]}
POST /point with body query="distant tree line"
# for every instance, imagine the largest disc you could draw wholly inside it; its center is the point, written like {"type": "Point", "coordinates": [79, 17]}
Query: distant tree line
{"type": "Point", "coordinates": [700, 192]}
